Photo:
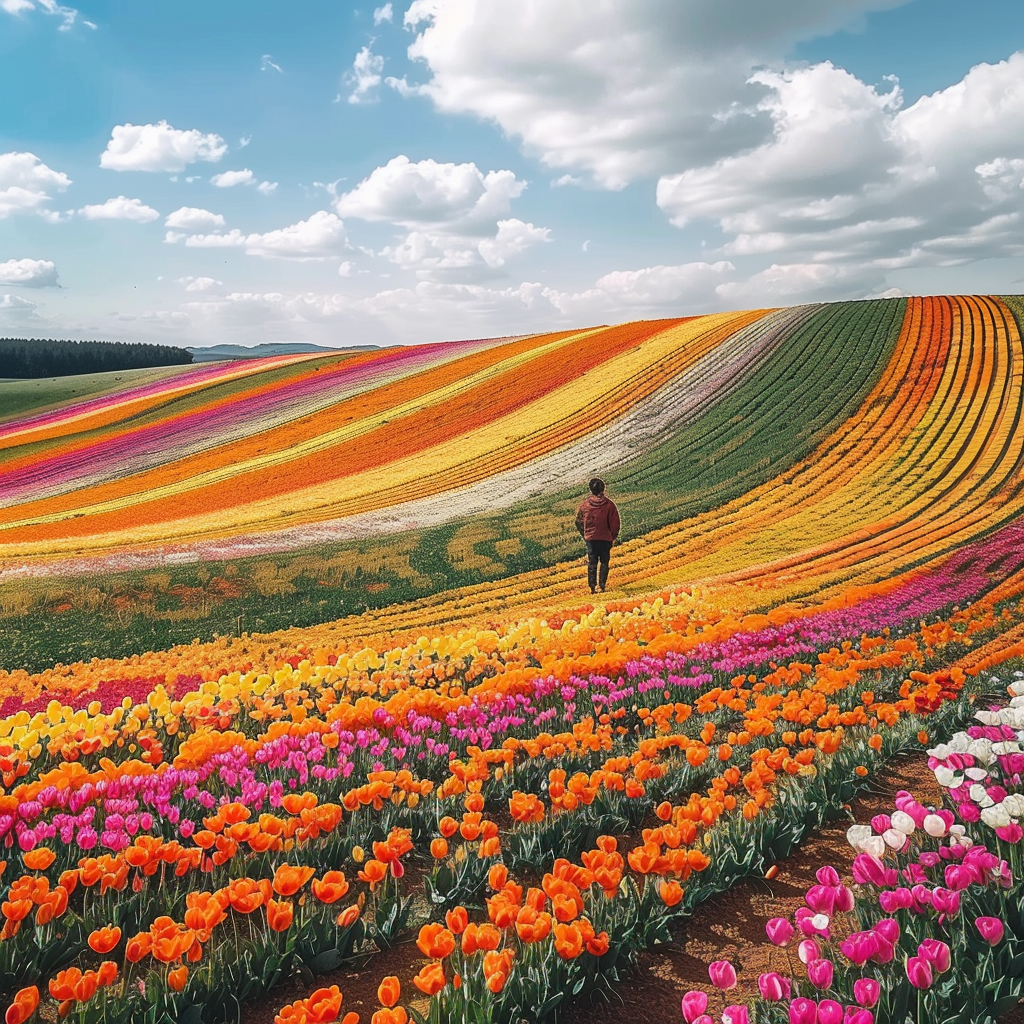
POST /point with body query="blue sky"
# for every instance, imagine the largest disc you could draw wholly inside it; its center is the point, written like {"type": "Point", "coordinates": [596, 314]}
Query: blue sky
{"type": "Point", "coordinates": [193, 173]}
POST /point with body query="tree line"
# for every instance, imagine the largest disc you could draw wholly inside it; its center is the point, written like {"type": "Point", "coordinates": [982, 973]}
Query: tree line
{"type": "Point", "coordinates": [20, 357]}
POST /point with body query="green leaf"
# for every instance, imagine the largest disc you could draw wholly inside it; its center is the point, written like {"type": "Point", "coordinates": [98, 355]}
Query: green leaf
{"type": "Point", "coordinates": [326, 961]}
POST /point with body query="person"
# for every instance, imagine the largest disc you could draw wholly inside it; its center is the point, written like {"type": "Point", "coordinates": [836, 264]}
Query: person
{"type": "Point", "coordinates": [598, 523]}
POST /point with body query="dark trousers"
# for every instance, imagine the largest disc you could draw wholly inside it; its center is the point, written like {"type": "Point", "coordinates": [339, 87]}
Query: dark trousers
{"type": "Point", "coordinates": [598, 551]}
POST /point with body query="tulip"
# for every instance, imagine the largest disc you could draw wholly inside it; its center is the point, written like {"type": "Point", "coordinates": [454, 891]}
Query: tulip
{"type": "Point", "coordinates": [779, 930]}
{"type": "Point", "coordinates": [773, 986]}
{"type": "Point", "coordinates": [830, 1012]}
{"type": "Point", "coordinates": [887, 928]}
{"type": "Point", "coordinates": [936, 952]}
{"type": "Point", "coordinates": [991, 929]}
{"type": "Point", "coordinates": [695, 1003]}
{"type": "Point", "coordinates": [803, 1011]}
{"type": "Point", "coordinates": [919, 972]}
{"type": "Point", "coordinates": [808, 951]}
{"type": "Point", "coordinates": [722, 974]}
{"type": "Point", "coordinates": [820, 973]}
{"type": "Point", "coordinates": [866, 991]}
{"type": "Point", "coordinates": [735, 1015]}
{"type": "Point", "coordinates": [935, 826]}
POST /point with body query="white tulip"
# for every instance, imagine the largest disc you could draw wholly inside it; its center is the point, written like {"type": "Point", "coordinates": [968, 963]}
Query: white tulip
{"type": "Point", "coordinates": [856, 834]}
{"type": "Point", "coordinates": [902, 822]}
{"type": "Point", "coordinates": [976, 774]}
{"type": "Point", "coordinates": [874, 846]}
{"type": "Point", "coordinates": [1014, 804]}
{"type": "Point", "coordinates": [980, 797]}
{"type": "Point", "coordinates": [942, 751]}
{"type": "Point", "coordinates": [820, 921]}
{"type": "Point", "coordinates": [934, 826]}
{"type": "Point", "coordinates": [995, 816]}
{"type": "Point", "coordinates": [894, 838]}
{"type": "Point", "coordinates": [945, 777]}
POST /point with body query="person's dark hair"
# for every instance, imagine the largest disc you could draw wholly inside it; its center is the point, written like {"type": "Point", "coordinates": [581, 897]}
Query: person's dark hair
{"type": "Point", "coordinates": [596, 486]}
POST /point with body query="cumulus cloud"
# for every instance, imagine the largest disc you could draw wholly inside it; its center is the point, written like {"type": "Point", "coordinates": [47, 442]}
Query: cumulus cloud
{"type": "Point", "coordinates": [455, 215]}
{"type": "Point", "coordinates": [27, 184]}
{"type": "Point", "coordinates": [514, 237]}
{"type": "Point", "coordinates": [385, 13]}
{"type": "Point", "coordinates": [365, 76]}
{"type": "Point", "coordinates": [13, 307]}
{"type": "Point", "coordinates": [228, 179]}
{"type": "Point", "coordinates": [266, 187]}
{"type": "Point", "coordinates": [199, 284]}
{"type": "Point", "coordinates": [121, 208]}
{"type": "Point", "coordinates": [430, 193]}
{"type": "Point", "coordinates": [29, 273]}
{"type": "Point", "coordinates": [192, 218]}
{"type": "Point", "coordinates": [854, 179]}
{"type": "Point", "coordinates": [618, 90]}
{"type": "Point", "coordinates": [316, 238]}
{"type": "Point", "coordinates": [159, 147]}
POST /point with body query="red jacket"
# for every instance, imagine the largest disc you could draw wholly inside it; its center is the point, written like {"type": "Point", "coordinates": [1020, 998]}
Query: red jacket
{"type": "Point", "coordinates": [598, 518]}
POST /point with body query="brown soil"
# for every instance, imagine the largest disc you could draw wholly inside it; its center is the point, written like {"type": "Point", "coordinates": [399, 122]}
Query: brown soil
{"type": "Point", "coordinates": [728, 927]}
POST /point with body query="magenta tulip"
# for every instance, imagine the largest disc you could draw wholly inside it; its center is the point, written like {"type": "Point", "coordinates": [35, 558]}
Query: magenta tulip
{"type": "Point", "coordinates": [803, 1011]}
{"type": "Point", "coordinates": [936, 952]}
{"type": "Point", "coordinates": [695, 1003]}
{"type": "Point", "coordinates": [820, 973]}
{"type": "Point", "coordinates": [773, 986]}
{"type": "Point", "coordinates": [780, 931]}
{"type": "Point", "coordinates": [807, 951]}
{"type": "Point", "coordinates": [722, 974]}
{"type": "Point", "coordinates": [866, 991]}
{"type": "Point", "coordinates": [991, 929]}
{"type": "Point", "coordinates": [735, 1015]}
{"type": "Point", "coordinates": [919, 972]}
{"type": "Point", "coordinates": [830, 1012]}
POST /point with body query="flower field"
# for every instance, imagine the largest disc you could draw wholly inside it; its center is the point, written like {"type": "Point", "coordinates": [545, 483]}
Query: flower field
{"type": "Point", "coordinates": [520, 784]}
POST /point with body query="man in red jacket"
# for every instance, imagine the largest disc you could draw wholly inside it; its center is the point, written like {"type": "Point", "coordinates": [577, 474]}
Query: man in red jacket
{"type": "Point", "coordinates": [598, 523]}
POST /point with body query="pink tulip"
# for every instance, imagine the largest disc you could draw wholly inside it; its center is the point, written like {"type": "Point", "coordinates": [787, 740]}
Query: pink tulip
{"type": "Point", "coordinates": [991, 929]}
{"type": "Point", "coordinates": [807, 951]}
{"type": "Point", "coordinates": [821, 899]}
{"type": "Point", "coordinates": [919, 972]}
{"type": "Point", "coordinates": [803, 1011]}
{"type": "Point", "coordinates": [936, 952]}
{"type": "Point", "coordinates": [830, 1012]}
{"type": "Point", "coordinates": [855, 1016]}
{"type": "Point", "coordinates": [735, 1015]}
{"type": "Point", "coordinates": [779, 930]}
{"type": "Point", "coordinates": [945, 901]}
{"type": "Point", "coordinates": [695, 1003]}
{"type": "Point", "coordinates": [888, 928]}
{"type": "Point", "coordinates": [773, 986]}
{"type": "Point", "coordinates": [1011, 833]}
{"type": "Point", "coordinates": [860, 947]}
{"type": "Point", "coordinates": [722, 974]}
{"type": "Point", "coordinates": [820, 973]}
{"type": "Point", "coordinates": [866, 991]}
{"type": "Point", "coordinates": [827, 875]}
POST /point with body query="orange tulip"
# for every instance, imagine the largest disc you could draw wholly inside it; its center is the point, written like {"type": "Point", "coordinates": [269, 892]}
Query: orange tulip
{"type": "Point", "coordinates": [349, 916]}
{"type": "Point", "coordinates": [137, 947]}
{"type": "Point", "coordinates": [103, 940]}
{"type": "Point", "coordinates": [176, 979]}
{"type": "Point", "coordinates": [447, 826]}
{"type": "Point", "coordinates": [331, 888]}
{"type": "Point", "coordinates": [439, 849]}
{"type": "Point", "coordinates": [279, 915]}
{"type": "Point", "coordinates": [435, 941]}
{"type": "Point", "coordinates": [457, 919]}
{"type": "Point", "coordinates": [396, 1015]}
{"type": "Point", "coordinates": [568, 941]}
{"type": "Point", "coordinates": [373, 872]}
{"type": "Point", "coordinates": [670, 892]}
{"type": "Point", "coordinates": [288, 880]}
{"type": "Point", "coordinates": [107, 973]}
{"type": "Point", "coordinates": [39, 859]}
{"type": "Point", "coordinates": [389, 991]}
{"type": "Point", "coordinates": [324, 1005]}
{"type": "Point", "coordinates": [430, 979]}
{"type": "Point", "coordinates": [25, 1002]}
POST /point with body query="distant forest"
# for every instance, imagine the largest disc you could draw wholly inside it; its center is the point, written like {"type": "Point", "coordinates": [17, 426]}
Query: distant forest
{"type": "Point", "coordinates": [23, 358]}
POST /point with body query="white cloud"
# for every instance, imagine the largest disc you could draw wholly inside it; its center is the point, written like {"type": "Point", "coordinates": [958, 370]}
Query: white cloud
{"type": "Point", "coordinates": [228, 179]}
{"type": "Point", "coordinates": [513, 239]}
{"type": "Point", "coordinates": [26, 183]}
{"type": "Point", "coordinates": [267, 64]}
{"type": "Point", "coordinates": [382, 14]}
{"type": "Point", "coordinates": [316, 238]}
{"type": "Point", "coordinates": [619, 90]}
{"type": "Point", "coordinates": [199, 284]}
{"type": "Point", "coordinates": [365, 77]}
{"type": "Point", "coordinates": [428, 193]}
{"type": "Point", "coordinates": [68, 15]}
{"type": "Point", "coordinates": [29, 273]}
{"type": "Point", "coordinates": [851, 178]}
{"type": "Point", "coordinates": [120, 208]}
{"type": "Point", "coordinates": [159, 147]}
{"type": "Point", "coordinates": [345, 268]}
{"type": "Point", "coordinates": [13, 307]}
{"type": "Point", "coordinates": [244, 141]}
{"type": "Point", "coordinates": [191, 218]}
{"type": "Point", "coordinates": [783, 284]}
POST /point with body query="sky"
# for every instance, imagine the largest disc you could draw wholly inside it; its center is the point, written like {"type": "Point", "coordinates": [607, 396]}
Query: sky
{"type": "Point", "coordinates": [248, 171]}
